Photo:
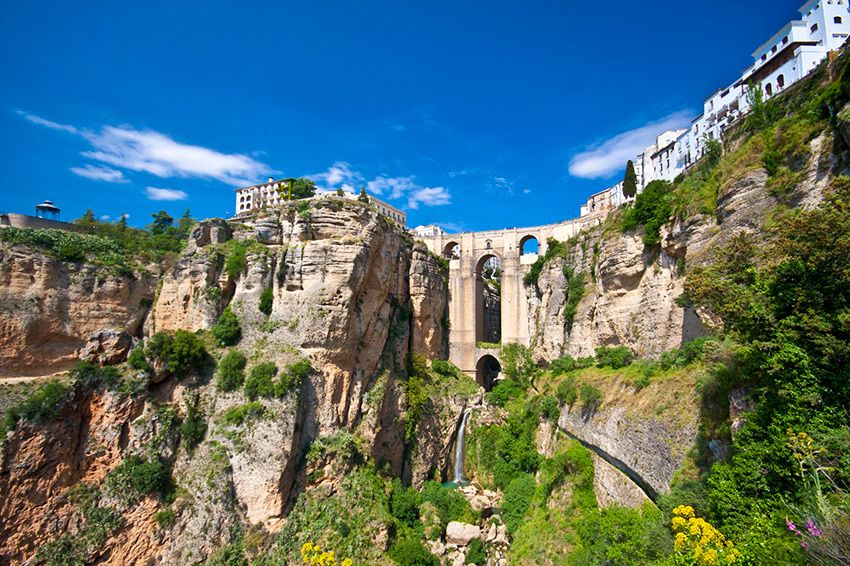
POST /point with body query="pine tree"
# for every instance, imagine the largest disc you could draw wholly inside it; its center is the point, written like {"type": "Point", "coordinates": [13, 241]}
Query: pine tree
{"type": "Point", "coordinates": [363, 197]}
{"type": "Point", "coordinates": [630, 180]}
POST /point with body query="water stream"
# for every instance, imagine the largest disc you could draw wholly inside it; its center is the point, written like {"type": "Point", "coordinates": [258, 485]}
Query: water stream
{"type": "Point", "coordinates": [459, 447]}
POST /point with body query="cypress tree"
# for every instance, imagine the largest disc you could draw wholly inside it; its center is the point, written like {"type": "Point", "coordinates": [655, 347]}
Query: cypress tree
{"type": "Point", "coordinates": [630, 180]}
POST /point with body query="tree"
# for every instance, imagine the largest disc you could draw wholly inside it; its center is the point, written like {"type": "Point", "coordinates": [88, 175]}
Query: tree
{"type": "Point", "coordinates": [303, 187]}
{"type": "Point", "coordinates": [300, 188]}
{"type": "Point", "coordinates": [122, 222]}
{"type": "Point", "coordinates": [162, 221]}
{"type": "Point", "coordinates": [340, 192]}
{"type": "Point", "coordinates": [363, 197]}
{"type": "Point", "coordinates": [184, 225]}
{"type": "Point", "coordinates": [87, 220]}
{"type": "Point", "coordinates": [630, 180]}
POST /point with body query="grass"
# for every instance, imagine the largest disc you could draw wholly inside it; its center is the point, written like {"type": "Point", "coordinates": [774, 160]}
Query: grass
{"type": "Point", "coordinates": [672, 388]}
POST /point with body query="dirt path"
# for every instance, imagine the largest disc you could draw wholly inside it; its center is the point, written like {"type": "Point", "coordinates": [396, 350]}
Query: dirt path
{"type": "Point", "coordinates": [29, 378]}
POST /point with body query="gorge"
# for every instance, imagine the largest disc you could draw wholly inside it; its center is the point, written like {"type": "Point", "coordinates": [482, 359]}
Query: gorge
{"type": "Point", "coordinates": [270, 390]}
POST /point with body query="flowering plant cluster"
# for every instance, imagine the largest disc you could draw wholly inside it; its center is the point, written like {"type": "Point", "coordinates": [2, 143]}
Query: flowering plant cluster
{"type": "Point", "coordinates": [313, 555]}
{"type": "Point", "coordinates": [697, 542]}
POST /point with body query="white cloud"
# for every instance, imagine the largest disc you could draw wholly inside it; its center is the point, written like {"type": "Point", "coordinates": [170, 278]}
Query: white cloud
{"type": "Point", "coordinates": [155, 193]}
{"type": "Point", "coordinates": [610, 156]}
{"type": "Point", "coordinates": [391, 187]}
{"type": "Point", "coordinates": [100, 173]}
{"type": "Point", "coordinates": [104, 217]}
{"type": "Point", "coordinates": [340, 175]}
{"type": "Point", "coordinates": [125, 216]}
{"type": "Point", "coordinates": [48, 123]}
{"type": "Point", "coordinates": [429, 196]}
{"type": "Point", "coordinates": [158, 154]}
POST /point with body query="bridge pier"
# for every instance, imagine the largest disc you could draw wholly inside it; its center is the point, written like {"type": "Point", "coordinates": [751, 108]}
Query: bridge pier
{"type": "Point", "coordinates": [466, 253]}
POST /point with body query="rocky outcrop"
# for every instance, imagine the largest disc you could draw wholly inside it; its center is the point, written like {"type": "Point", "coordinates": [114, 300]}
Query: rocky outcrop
{"type": "Point", "coordinates": [649, 450]}
{"type": "Point", "coordinates": [49, 307]}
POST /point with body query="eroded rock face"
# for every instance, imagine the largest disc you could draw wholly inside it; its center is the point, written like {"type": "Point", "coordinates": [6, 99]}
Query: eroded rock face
{"type": "Point", "coordinates": [49, 307]}
{"type": "Point", "coordinates": [107, 347]}
{"type": "Point", "coordinates": [653, 449]}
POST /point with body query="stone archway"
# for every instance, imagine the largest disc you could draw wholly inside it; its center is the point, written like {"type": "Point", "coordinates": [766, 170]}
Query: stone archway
{"type": "Point", "coordinates": [451, 250]}
{"type": "Point", "coordinates": [488, 299]}
{"type": "Point", "coordinates": [529, 245]}
{"type": "Point", "coordinates": [487, 371]}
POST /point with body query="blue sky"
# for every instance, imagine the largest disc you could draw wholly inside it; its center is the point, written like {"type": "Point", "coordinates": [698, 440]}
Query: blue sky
{"type": "Point", "coordinates": [467, 114]}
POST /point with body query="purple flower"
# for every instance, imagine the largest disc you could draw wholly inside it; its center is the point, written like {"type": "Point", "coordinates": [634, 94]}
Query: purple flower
{"type": "Point", "coordinates": [791, 526]}
{"type": "Point", "coordinates": [812, 528]}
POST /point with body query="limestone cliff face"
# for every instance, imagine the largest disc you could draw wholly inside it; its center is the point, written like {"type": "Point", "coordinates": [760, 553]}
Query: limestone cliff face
{"type": "Point", "coordinates": [49, 307]}
{"type": "Point", "coordinates": [351, 293]}
{"type": "Point", "coordinates": [631, 292]}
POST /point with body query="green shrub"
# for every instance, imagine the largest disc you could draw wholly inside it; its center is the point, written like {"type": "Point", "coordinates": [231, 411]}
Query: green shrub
{"type": "Point", "coordinates": [227, 330]}
{"type": "Point", "coordinates": [444, 368]}
{"type": "Point", "coordinates": [408, 550]}
{"type": "Point", "coordinates": [165, 518]}
{"type": "Point", "coordinates": [575, 292]}
{"type": "Point", "coordinates": [39, 407]}
{"type": "Point", "coordinates": [237, 416]}
{"type": "Point", "coordinates": [236, 261]}
{"type": "Point", "coordinates": [137, 360]}
{"type": "Point", "coordinates": [89, 374]}
{"type": "Point", "coordinates": [652, 210]}
{"type": "Point", "coordinates": [475, 553]}
{"type": "Point", "coordinates": [450, 503]}
{"type": "Point", "coordinates": [181, 352]}
{"type": "Point", "coordinates": [260, 382]}
{"type": "Point", "coordinates": [194, 426]}
{"type": "Point", "coordinates": [404, 503]}
{"type": "Point", "coordinates": [503, 392]}
{"type": "Point", "coordinates": [619, 535]}
{"type": "Point", "coordinates": [615, 358]}
{"type": "Point", "coordinates": [590, 396]}
{"type": "Point", "coordinates": [266, 301]}
{"type": "Point", "coordinates": [567, 391]}
{"type": "Point", "coordinates": [293, 376]}
{"type": "Point", "coordinates": [549, 408]}
{"type": "Point", "coordinates": [517, 500]}
{"type": "Point", "coordinates": [135, 477]}
{"type": "Point", "coordinates": [230, 373]}
{"type": "Point", "coordinates": [566, 364]}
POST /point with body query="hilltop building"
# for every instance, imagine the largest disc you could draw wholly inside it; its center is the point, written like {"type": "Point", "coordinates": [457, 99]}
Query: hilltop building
{"type": "Point", "coordinates": [786, 57]}
{"type": "Point", "coordinates": [250, 199]}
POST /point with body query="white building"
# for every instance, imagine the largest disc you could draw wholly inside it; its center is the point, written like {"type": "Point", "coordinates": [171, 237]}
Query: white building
{"type": "Point", "coordinates": [250, 199]}
{"type": "Point", "coordinates": [788, 56]}
{"type": "Point", "coordinates": [430, 231]}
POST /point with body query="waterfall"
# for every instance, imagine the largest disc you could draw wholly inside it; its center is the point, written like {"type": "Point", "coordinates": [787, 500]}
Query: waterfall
{"type": "Point", "coordinates": [459, 446]}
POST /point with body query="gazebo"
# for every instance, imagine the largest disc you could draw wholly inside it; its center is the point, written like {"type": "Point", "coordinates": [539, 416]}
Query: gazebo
{"type": "Point", "coordinates": [47, 210]}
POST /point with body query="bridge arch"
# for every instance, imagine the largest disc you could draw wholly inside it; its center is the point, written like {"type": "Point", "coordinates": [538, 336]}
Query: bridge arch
{"type": "Point", "coordinates": [488, 298]}
{"type": "Point", "coordinates": [487, 371]}
{"type": "Point", "coordinates": [529, 244]}
{"type": "Point", "coordinates": [451, 250]}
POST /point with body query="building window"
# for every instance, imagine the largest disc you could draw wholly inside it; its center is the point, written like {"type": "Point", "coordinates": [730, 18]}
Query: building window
{"type": "Point", "coordinates": [780, 81]}
{"type": "Point", "coordinates": [814, 28]}
{"type": "Point", "coordinates": [785, 40]}
{"type": "Point", "coordinates": [768, 89]}
{"type": "Point", "coordinates": [773, 50]}
{"type": "Point", "coordinates": [837, 20]}
{"type": "Point", "coordinates": [764, 57]}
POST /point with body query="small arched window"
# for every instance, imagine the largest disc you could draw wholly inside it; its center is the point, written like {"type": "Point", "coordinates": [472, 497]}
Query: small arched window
{"type": "Point", "coordinates": [768, 88]}
{"type": "Point", "coordinates": [489, 245]}
{"type": "Point", "coordinates": [814, 28]}
{"type": "Point", "coordinates": [780, 81]}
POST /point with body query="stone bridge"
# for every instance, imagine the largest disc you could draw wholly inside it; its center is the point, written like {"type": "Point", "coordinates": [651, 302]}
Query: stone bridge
{"type": "Point", "coordinates": [514, 249]}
